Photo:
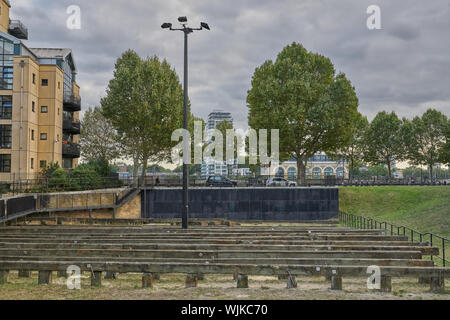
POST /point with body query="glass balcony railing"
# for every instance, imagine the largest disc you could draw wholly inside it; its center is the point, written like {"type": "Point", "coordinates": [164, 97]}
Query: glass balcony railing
{"type": "Point", "coordinates": [71, 126]}
{"type": "Point", "coordinates": [18, 30]}
{"type": "Point", "coordinates": [70, 149]}
{"type": "Point", "coordinates": [72, 102]}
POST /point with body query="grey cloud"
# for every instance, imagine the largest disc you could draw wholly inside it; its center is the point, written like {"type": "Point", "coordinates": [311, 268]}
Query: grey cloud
{"type": "Point", "coordinates": [403, 67]}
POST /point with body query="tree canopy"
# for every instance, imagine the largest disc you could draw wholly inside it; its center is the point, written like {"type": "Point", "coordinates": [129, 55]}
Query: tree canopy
{"type": "Point", "coordinates": [144, 102]}
{"type": "Point", "coordinates": [301, 95]}
{"type": "Point", "coordinates": [383, 141]}
{"type": "Point", "coordinates": [99, 139]}
{"type": "Point", "coordinates": [424, 138]}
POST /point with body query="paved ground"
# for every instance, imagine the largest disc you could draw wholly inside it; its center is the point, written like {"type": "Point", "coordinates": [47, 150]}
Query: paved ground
{"type": "Point", "coordinates": [171, 287]}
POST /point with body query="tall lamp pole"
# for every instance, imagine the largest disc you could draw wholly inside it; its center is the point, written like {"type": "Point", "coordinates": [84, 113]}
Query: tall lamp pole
{"type": "Point", "coordinates": [186, 30]}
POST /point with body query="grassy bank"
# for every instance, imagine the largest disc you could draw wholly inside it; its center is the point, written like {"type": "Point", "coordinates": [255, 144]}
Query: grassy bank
{"type": "Point", "coordinates": [421, 208]}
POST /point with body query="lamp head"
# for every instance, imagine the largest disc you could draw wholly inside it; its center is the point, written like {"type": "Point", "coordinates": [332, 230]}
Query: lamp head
{"type": "Point", "coordinates": [182, 19]}
{"type": "Point", "coordinates": [166, 25]}
{"type": "Point", "coordinates": [204, 25]}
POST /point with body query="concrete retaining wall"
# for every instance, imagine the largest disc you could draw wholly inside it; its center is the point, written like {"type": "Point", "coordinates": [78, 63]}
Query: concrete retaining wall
{"type": "Point", "coordinates": [282, 204]}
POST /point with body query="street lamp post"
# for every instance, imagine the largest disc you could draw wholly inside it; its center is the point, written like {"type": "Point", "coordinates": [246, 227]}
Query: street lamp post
{"type": "Point", "coordinates": [186, 30]}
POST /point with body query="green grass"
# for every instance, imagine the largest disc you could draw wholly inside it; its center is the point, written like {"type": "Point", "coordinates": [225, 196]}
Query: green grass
{"type": "Point", "coordinates": [422, 208]}
{"type": "Point", "coordinates": [425, 209]}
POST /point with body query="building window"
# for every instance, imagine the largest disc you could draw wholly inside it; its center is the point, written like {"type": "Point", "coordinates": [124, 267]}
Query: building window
{"type": "Point", "coordinates": [59, 85]}
{"type": "Point", "coordinates": [43, 164]}
{"type": "Point", "coordinates": [32, 163]}
{"type": "Point", "coordinates": [6, 64]}
{"type": "Point", "coordinates": [45, 82]}
{"type": "Point", "coordinates": [32, 106]}
{"type": "Point", "coordinates": [32, 135]}
{"type": "Point", "coordinates": [280, 173]}
{"type": "Point", "coordinates": [34, 78]}
{"type": "Point", "coordinates": [5, 107]}
{"type": "Point", "coordinates": [316, 173]}
{"type": "Point", "coordinates": [43, 136]}
{"type": "Point", "coordinates": [292, 173]}
{"type": "Point", "coordinates": [44, 109]}
{"type": "Point", "coordinates": [328, 171]}
{"type": "Point", "coordinates": [5, 163]}
{"type": "Point", "coordinates": [5, 136]}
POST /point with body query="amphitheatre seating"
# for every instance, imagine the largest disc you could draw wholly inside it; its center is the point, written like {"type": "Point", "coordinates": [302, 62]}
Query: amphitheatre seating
{"type": "Point", "coordinates": [287, 252]}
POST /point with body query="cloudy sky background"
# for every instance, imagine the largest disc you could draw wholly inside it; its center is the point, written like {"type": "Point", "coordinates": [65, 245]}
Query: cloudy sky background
{"type": "Point", "coordinates": [404, 67]}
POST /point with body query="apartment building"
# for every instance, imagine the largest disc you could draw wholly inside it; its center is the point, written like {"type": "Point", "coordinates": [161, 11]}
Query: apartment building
{"type": "Point", "coordinates": [39, 104]}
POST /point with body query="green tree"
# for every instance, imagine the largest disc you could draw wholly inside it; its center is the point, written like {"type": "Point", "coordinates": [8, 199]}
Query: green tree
{"type": "Point", "coordinates": [353, 152]}
{"type": "Point", "coordinates": [444, 155]}
{"type": "Point", "coordinates": [301, 95]}
{"type": "Point", "coordinates": [223, 126]}
{"type": "Point", "coordinates": [99, 139]}
{"type": "Point", "coordinates": [144, 102]}
{"type": "Point", "coordinates": [424, 138]}
{"type": "Point", "coordinates": [383, 141]}
{"type": "Point", "coordinates": [56, 177]}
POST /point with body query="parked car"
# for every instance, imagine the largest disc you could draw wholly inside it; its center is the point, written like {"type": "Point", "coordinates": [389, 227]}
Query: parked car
{"type": "Point", "coordinates": [220, 181]}
{"type": "Point", "coordinates": [280, 182]}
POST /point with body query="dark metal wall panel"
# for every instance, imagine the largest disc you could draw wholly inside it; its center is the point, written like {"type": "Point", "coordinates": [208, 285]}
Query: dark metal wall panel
{"type": "Point", "coordinates": [2, 208]}
{"type": "Point", "coordinates": [283, 204]}
{"type": "Point", "coordinates": [20, 205]}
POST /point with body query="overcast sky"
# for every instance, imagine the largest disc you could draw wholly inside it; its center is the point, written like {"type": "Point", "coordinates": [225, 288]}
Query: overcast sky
{"type": "Point", "coordinates": [404, 67]}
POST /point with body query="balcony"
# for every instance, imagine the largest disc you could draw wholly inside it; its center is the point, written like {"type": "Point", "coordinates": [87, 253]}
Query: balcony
{"type": "Point", "coordinates": [72, 103]}
{"type": "Point", "coordinates": [71, 126]}
{"type": "Point", "coordinates": [18, 30]}
{"type": "Point", "coordinates": [70, 150]}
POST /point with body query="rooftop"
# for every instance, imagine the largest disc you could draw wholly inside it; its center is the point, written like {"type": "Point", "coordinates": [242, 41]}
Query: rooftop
{"type": "Point", "coordinates": [51, 53]}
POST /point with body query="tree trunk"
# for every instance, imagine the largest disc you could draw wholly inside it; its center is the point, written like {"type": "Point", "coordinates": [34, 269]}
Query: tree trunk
{"type": "Point", "coordinates": [301, 168]}
{"type": "Point", "coordinates": [135, 172]}
{"type": "Point", "coordinates": [389, 170]}
{"type": "Point", "coordinates": [431, 174]}
{"type": "Point", "coordinates": [350, 172]}
{"type": "Point", "coordinates": [144, 171]}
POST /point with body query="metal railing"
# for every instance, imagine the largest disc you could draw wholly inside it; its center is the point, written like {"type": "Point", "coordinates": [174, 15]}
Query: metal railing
{"type": "Point", "coordinates": [364, 223]}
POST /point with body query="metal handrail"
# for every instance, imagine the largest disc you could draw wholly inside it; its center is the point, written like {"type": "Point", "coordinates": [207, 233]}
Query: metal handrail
{"type": "Point", "coordinates": [361, 222]}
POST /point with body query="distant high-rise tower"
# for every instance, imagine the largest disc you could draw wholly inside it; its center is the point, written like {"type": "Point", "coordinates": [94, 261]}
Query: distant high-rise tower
{"type": "Point", "coordinates": [210, 166]}
{"type": "Point", "coordinates": [216, 117]}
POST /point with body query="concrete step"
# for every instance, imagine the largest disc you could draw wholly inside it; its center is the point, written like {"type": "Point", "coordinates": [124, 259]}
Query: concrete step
{"type": "Point", "coordinates": [205, 246]}
{"type": "Point", "coordinates": [249, 269]}
{"type": "Point", "coordinates": [213, 254]}
{"type": "Point", "coordinates": [120, 240]}
{"type": "Point", "coordinates": [214, 236]}
{"type": "Point", "coordinates": [274, 261]}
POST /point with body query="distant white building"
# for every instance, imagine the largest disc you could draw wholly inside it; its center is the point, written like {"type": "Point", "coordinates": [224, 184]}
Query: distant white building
{"type": "Point", "coordinates": [209, 166]}
{"type": "Point", "coordinates": [217, 116]}
{"type": "Point", "coordinates": [317, 167]}
{"type": "Point", "coordinates": [242, 172]}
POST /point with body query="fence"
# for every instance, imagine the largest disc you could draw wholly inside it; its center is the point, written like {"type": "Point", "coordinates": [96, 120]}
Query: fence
{"type": "Point", "coordinates": [361, 222]}
{"type": "Point", "coordinates": [44, 185]}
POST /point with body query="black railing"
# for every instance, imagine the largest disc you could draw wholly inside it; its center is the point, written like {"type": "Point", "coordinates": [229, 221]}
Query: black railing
{"type": "Point", "coordinates": [48, 185]}
{"type": "Point", "coordinates": [72, 126]}
{"type": "Point", "coordinates": [18, 29]}
{"type": "Point", "coordinates": [72, 102]}
{"type": "Point", "coordinates": [364, 223]}
{"type": "Point", "coordinates": [71, 150]}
